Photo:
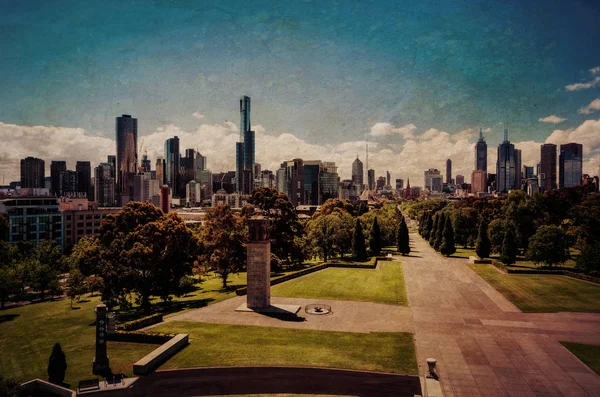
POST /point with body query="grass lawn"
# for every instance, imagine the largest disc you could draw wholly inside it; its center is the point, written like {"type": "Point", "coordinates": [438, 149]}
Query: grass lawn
{"type": "Point", "coordinates": [236, 345]}
{"type": "Point", "coordinates": [28, 333]}
{"type": "Point", "coordinates": [382, 285]}
{"type": "Point", "coordinates": [521, 262]}
{"type": "Point", "coordinates": [541, 292]}
{"type": "Point", "coordinates": [589, 354]}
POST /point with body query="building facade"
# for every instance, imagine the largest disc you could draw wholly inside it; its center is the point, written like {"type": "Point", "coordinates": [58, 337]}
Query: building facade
{"type": "Point", "coordinates": [479, 181]}
{"type": "Point", "coordinates": [172, 164]}
{"type": "Point", "coordinates": [126, 131]}
{"type": "Point", "coordinates": [104, 185]}
{"type": "Point", "coordinates": [358, 175]}
{"type": "Point", "coordinates": [570, 165]}
{"type": "Point", "coordinates": [33, 172]}
{"type": "Point", "coordinates": [83, 222]}
{"type": "Point", "coordinates": [84, 179]}
{"type": "Point", "coordinates": [56, 167]}
{"type": "Point", "coordinates": [547, 172]}
{"type": "Point", "coordinates": [481, 153]}
{"type": "Point", "coordinates": [448, 171]}
{"type": "Point", "coordinates": [505, 166]}
{"type": "Point", "coordinates": [33, 219]}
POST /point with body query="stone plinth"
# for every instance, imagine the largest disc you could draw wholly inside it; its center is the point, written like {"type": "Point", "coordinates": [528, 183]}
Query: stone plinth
{"type": "Point", "coordinates": [259, 264]}
{"type": "Point", "coordinates": [100, 365]}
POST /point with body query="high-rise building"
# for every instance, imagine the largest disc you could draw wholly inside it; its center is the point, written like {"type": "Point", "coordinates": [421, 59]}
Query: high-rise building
{"type": "Point", "coordinates": [478, 181]}
{"type": "Point", "coordinates": [528, 172]}
{"type": "Point", "coordinates": [126, 131]}
{"type": "Point", "coordinates": [388, 177]}
{"type": "Point", "coordinates": [505, 166]}
{"type": "Point", "coordinates": [547, 173]}
{"type": "Point", "coordinates": [481, 153]}
{"type": "Point", "coordinates": [371, 179]}
{"type": "Point", "coordinates": [448, 171]}
{"type": "Point", "coordinates": [192, 193]}
{"type": "Point", "coordinates": [56, 167]}
{"type": "Point", "coordinates": [358, 175]}
{"type": "Point", "coordinates": [32, 173]}
{"type": "Point", "coordinates": [267, 179]}
{"type": "Point", "coordinates": [201, 163]}
{"type": "Point", "coordinates": [84, 179]}
{"type": "Point", "coordinates": [69, 186]}
{"type": "Point", "coordinates": [244, 150]}
{"type": "Point", "coordinates": [570, 165]}
{"type": "Point", "coordinates": [460, 180]}
{"type": "Point", "coordinates": [104, 185]}
{"type": "Point", "coordinates": [112, 160]}
{"type": "Point", "coordinates": [328, 182]}
{"type": "Point", "coordinates": [380, 182]}
{"type": "Point", "coordinates": [160, 171]}
{"type": "Point", "coordinates": [429, 175]}
{"type": "Point", "coordinates": [172, 165]}
{"type": "Point", "coordinates": [239, 166]}
{"type": "Point", "coordinates": [290, 180]}
{"type": "Point", "coordinates": [518, 170]}
{"type": "Point", "coordinates": [146, 163]}
{"type": "Point", "coordinates": [188, 169]}
{"type": "Point", "coordinates": [399, 184]}
{"type": "Point", "coordinates": [312, 170]}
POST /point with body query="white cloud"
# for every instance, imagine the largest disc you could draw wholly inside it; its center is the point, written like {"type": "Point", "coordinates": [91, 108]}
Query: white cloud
{"type": "Point", "coordinates": [405, 158]}
{"type": "Point", "coordinates": [198, 115]}
{"type": "Point", "coordinates": [595, 70]}
{"type": "Point", "coordinates": [385, 129]}
{"type": "Point", "coordinates": [591, 108]}
{"type": "Point", "coordinates": [552, 119]}
{"type": "Point", "coordinates": [582, 86]}
{"type": "Point", "coordinates": [487, 129]}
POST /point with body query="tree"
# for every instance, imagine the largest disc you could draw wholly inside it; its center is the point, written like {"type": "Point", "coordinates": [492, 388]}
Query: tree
{"type": "Point", "coordinates": [428, 225]}
{"type": "Point", "coordinates": [224, 238]}
{"type": "Point", "coordinates": [483, 246]}
{"type": "Point", "coordinates": [9, 387]}
{"type": "Point", "coordinates": [358, 242]}
{"type": "Point", "coordinates": [548, 246]}
{"type": "Point", "coordinates": [447, 247]}
{"type": "Point", "coordinates": [439, 233]}
{"type": "Point", "coordinates": [285, 226]}
{"type": "Point", "coordinates": [4, 227]}
{"type": "Point", "coordinates": [331, 204]}
{"type": "Point", "coordinates": [85, 255]}
{"type": "Point", "coordinates": [508, 256]}
{"type": "Point", "coordinates": [9, 276]}
{"type": "Point", "coordinates": [589, 258]}
{"type": "Point", "coordinates": [434, 227]}
{"type": "Point", "coordinates": [375, 238]}
{"type": "Point", "coordinates": [403, 238]}
{"type": "Point", "coordinates": [496, 232]}
{"type": "Point", "coordinates": [520, 210]}
{"type": "Point", "coordinates": [464, 224]}
{"type": "Point", "coordinates": [75, 285]}
{"type": "Point", "coordinates": [57, 365]}
{"type": "Point", "coordinates": [322, 233]}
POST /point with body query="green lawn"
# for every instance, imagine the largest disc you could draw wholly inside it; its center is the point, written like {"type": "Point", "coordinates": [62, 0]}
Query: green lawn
{"type": "Point", "coordinates": [28, 333]}
{"type": "Point", "coordinates": [521, 262]}
{"type": "Point", "coordinates": [543, 293]}
{"type": "Point", "coordinates": [235, 345]}
{"type": "Point", "coordinates": [382, 285]}
{"type": "Point", "coordinates": [589, 354]}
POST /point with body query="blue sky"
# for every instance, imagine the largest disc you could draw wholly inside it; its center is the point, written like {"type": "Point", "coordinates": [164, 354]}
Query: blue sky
{"type": "Point", "coordinates": [322, 71]}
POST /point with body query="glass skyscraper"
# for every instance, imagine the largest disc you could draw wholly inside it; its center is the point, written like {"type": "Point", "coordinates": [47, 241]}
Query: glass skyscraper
{"type": "Point", "coordinates": [172, 165]}
{"type": "Point", "coordinates": [245, 150]}
{"type": "Point", "coordinates": [547, 173]}
{"type": "Point", "coordinates": [126, 129]}
{"type": "Point", "coordinates": [505, 166]}
{"type": "Point", "coordinates": [570, 165]}
{"type": "Point", "coordinates": [481, 153]}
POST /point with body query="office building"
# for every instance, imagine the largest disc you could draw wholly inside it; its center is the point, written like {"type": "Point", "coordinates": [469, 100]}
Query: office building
{"type": "Point", "coordinates": [460, 180]}
{"type": "Point", "coordinates": [518, 170]}
{"type": "Point", "coordinates": [112, 160]}
{"type": "Point", "coordinates": [429, 175]}
{"type": "Point", "coordinates": [380, 183]}
{"type": "Point", "coordinates": [104, 185]}
{"type": "Point", "coordinates": [570, 165]}
{"type": "Point", "coordinates": [328, 182]}
{"type": "Point", "coordinates": [126, 131]}
{"type": "Point", "coordinates": [399, 184]}
{"type": "Point", "coordinates": [33, 173]}
{"type": "Point", "coordinates": [172, 165]}
{"type": "Point", "coordinates": [244, 150]}
{"type": "Point", "coordinates": [290, 180]}
{"type": "Point", "coordinates": [371, 179]}
{"type": "Point", "coordinates": [479, 181]}
{"type": "Point", "coordinates": [312, 169]}
{"type": "Point", "coordinates": [56, 167]}
{"type": "Point", "coordinates": [69, 185]}
{"type": "Point", "coordinates": [547, 172]}
{"type": "Point", "coordinates": [267, 179]}
{"type": "Point", "coordinates": [33, 219]}
{"type": "Point", "coordinates": [388, 178]}
{"type": "Point", "coordinates": [505, 166]}
{"type": "Point", "coordinates": [165, 198]}
{"type": "Point", "coordinates": [84, 179]}
{"type": "Point", "coordinates": [528, 172]}
{"type": "Point", "coordinates": [83, 222]}
{"type": "Point", "coordinates": [448, 171]}
{"type": "Point", "coordinates": [358, 175]}
{"type": "Point", "coordinates": [160, 171]}
{"type": "Point", "coordinates": [481, 153]}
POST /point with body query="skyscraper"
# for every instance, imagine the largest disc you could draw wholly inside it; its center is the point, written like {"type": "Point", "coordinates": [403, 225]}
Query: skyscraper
{"type": "Point", "coordinates": [244, 150]}
{"type": "Point", "coordinates": [311, 182]}
{"type": "Point", "coordinates": [172, 165]}
{"type": "Point", "coordinates": [570, 165]}
{"type": "Point", "coordinates": [358, 175]}
{"type": "Point", "coordinates": [505, 166]}
{"type": "Point", "coordinates": [290, 180]}
{"type": "Point", "coordinates": [104, 185]}
{"type": "Point", "coordinates": [160, 171]}
{"type": "Point", "coordinates": [69, 186]}
{"type": "Point", "coordinates": [448, 171]}
{"type": "Point", "coordinates": [429, 177]}
{"type": "Point", "coordinates": [547, 173]}
{"type": "Point", "coordinates": [481, 153]}
{"type": "Point", "coordinates": [126, 130]}
{"type": "Point", "coordinates": [328, 181]}
{"type": "Point", "coordinates": [371, 179]}
{"type": "Point", "coordinates": [56, 167]}
{"type": "Point", "coordinates": [518, 170]}
{"type": "Point", "coordinates": [33, 173]}
{"type": "Point", "coordinates": [84, 179]}
{"type": "Point", "coordinates": [112, 160]}
{"type": "Point", "coordinates": [388, 178]}
{"type": "Point", "coordinates": [460, 180]}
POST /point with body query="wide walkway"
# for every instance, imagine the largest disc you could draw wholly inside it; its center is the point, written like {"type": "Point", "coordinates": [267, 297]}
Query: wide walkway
{"type": "Point", "coordinates": [484, 345]}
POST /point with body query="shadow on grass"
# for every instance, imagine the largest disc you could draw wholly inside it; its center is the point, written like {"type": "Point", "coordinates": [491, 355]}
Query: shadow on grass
{"type": "Point", "coordinates": [413, 256]}
{"type": "Point", "coordinates": [163, 308]}
{"type": "Point", "coordinates": [7, 317]}
{"type": "Point", "coordinates": [289, 317]}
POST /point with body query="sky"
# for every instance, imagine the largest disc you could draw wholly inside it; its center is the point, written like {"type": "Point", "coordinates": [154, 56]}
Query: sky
{"type": "Point", "coordinates": [416, 78]}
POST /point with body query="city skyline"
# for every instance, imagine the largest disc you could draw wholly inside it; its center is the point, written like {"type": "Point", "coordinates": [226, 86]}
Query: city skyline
{"type": "Point", "coordinates": [322, 77]}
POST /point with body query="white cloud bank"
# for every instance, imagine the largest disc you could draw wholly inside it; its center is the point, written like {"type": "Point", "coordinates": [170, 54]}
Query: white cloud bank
{"type": "Point", "coordinates": [413, 153]}
{"type": "Point", "coordinates": [552, 119]}
{"type": "Point", "coordinates": [198, 115]}
{"type": "Point", "coordinates": [589, 84]}
{"type": "Point", "coordinates": [591, 108]}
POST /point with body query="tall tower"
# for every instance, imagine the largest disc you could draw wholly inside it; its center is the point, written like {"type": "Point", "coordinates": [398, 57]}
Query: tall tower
{"type": "Point", "coordinates": [32, 172]}
{"type": "Point", "coordinates": [245, 150]}
{"type": "Point", "coordinates": [481, 153]}
{"type": "Point", "coordinates": [358, 174]}
{"type": "Point", "coordinates": [56, 167]}
{"type": "Point", "coordinates": [126, 129]}
{"type": "Point", "coordinates": [84, 179]}
{"type": "Point", "coordinates": [547, 173]}
{"type": "Point", "coordinates": [505, 166]}
{"type": "Point", "coordinates": [448, 171]}
{"type": "Point", "coordinates": [570, 165]}
{"type": "Point", "coordinates": [172, 165]}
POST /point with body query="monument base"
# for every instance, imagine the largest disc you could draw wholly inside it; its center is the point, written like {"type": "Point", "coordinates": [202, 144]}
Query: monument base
{"type": "Point", "coordinates": [101, 367]}
{"type": "Point", "coordinates": [272, 309]}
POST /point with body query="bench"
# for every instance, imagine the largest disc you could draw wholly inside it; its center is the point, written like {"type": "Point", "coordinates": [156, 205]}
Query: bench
{"type": "Point", "coordinates": [155, 358]}
{"type": "Point", "coordinates": [88, 384]}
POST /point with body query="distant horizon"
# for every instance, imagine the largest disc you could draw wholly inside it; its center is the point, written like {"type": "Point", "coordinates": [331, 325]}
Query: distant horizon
{"type": "Point", "coordinates": [417, 79]}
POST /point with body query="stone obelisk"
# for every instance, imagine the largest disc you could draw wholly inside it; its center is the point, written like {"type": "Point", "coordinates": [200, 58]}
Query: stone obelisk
{"type": "Point", "coordinates": [259, 264]}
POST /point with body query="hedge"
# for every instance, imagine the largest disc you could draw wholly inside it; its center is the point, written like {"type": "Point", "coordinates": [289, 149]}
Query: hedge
{"type": "Point", "coordinates": [557, 272]}
{"type": "Point", "coordinates": [583, 277]}
{"type": "Point", "coordinates": [372, 264]}
{"type": "Point", "coordinates": [141, 322]}
{"type": "Point", "coordinates": [140, 337]}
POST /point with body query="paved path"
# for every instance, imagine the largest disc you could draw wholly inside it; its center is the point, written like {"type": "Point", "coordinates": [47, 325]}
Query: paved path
{"type": "Point", "coordinates": [484, 345]}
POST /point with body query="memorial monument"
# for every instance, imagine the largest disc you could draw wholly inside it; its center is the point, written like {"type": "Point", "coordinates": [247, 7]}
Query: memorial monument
{"type": "Point", "coordinates": [101, 365]}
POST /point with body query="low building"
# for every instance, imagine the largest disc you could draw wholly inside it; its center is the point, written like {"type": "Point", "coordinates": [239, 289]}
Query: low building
{"type": "Point", "coordinates": [33, 219]}
{"type": "Point", "coordinates": [80, 223]}
{"type": "Point", "coordinates": [234, 200]}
